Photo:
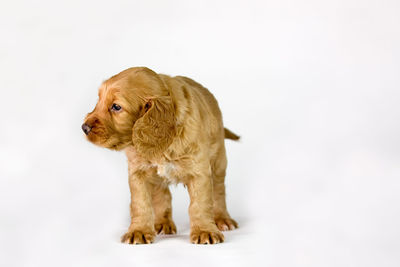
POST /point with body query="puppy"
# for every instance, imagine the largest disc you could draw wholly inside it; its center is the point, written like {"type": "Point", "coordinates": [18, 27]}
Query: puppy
{"type": "Point", "coordinates": [171, 131]}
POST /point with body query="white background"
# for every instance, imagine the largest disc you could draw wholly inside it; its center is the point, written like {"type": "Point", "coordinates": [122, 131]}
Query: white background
{"type": "Point", "coordinates": [313, 88]}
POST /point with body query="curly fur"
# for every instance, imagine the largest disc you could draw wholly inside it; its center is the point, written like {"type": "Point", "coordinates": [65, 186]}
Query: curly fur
{"type": "Point", "coordinates": [154, 132]}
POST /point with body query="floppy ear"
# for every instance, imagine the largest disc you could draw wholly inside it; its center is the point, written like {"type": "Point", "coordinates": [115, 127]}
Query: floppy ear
{"type": "Point", "coordinates": [155, 130]}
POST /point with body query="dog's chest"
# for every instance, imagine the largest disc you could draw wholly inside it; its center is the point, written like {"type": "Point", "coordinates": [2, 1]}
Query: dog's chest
{"type": "Point", "coordinates": [168, 171]}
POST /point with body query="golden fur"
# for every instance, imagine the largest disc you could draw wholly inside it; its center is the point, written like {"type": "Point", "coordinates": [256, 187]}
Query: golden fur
{"type": "Point", "coordinates": [171, 131]}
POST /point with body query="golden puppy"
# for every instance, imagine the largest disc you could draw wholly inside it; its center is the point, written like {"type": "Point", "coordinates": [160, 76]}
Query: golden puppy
{"type": "Point", "coordinates": [171, 131]}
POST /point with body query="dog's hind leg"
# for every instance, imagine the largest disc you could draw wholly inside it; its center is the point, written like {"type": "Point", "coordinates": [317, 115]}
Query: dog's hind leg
{"type": "Point", "coordinates": [161, 197]}
{"type": "Point", "coordinates": [222, 218]}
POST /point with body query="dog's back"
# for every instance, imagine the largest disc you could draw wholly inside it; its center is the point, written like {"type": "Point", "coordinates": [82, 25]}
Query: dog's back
{"type": "Point", "coordinates": [196, 106]}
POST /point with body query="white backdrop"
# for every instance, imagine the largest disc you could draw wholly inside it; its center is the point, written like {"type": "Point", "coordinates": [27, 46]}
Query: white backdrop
{"type": "Point", "coordinates": [313, 88]}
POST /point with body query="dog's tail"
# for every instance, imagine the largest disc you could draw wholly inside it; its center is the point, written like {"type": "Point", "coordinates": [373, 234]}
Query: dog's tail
{"type": "Point", "coordinates": [230, 135]}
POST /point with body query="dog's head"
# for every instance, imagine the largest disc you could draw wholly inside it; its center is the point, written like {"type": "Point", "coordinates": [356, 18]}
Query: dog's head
{"type": "Point", "coordinates": [134, 108]}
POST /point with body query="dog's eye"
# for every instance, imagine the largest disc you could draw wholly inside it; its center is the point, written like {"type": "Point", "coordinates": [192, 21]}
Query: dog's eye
{"type": "Point", "coordinates": [147, 106]}
{"type": "Point", "coordinates": [115, 107]}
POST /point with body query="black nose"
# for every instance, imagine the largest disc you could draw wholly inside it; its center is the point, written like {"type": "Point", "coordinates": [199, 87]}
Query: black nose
{"type": "Point", "coordinates": [86, 128]}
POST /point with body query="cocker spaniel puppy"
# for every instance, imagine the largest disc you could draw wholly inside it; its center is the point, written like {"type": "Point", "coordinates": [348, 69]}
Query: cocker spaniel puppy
{"type": "Point", "coordinates": [171, 131]}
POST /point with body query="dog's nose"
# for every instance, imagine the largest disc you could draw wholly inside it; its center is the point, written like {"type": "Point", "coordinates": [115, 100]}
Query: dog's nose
{"type": "Point", "coordinates": [86, 128]}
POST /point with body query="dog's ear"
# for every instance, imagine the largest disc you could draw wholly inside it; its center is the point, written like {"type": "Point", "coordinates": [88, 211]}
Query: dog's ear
{"type": "Point", "coordinates": [155, 130]}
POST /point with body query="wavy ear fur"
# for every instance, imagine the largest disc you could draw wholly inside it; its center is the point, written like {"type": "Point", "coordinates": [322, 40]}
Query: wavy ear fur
{"type": "Point", "coordinates": [155, 130]}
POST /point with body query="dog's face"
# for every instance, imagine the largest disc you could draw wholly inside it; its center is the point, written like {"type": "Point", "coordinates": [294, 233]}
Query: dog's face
{"type": "Point", "coordinates": [134, 108]}
{"type": "Point", "coordinates": [110, 123]}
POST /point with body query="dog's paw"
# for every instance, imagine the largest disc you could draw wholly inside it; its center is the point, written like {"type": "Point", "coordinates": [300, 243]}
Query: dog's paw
{"type": "Point", "coordinates": [206, 237]}
{"type": "Point", "coordinates": [138, 237]}
{"type": "Point", "coordinates": [226, 224]}
{"type": "Point", "coordinates": [165, 228]}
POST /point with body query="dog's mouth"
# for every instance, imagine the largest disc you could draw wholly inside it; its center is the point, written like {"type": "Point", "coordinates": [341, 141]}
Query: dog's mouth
{"type": "Point", "coordinates": [102, 140]}
{"type": "Point", "coordinates": [100, 135]}
{"type": "Point", "coordinates": [97, 136]}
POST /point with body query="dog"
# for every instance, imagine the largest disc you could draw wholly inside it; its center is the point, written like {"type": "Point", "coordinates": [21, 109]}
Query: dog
{"type": "Point", "coordinates": [171, 130]}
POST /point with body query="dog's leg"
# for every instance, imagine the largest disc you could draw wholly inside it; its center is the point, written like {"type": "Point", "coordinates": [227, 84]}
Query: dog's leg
{"type": "Point", "coordinates": [163, 210]}
{"type": "Point", "coordinates": [141, 230]}
{"type": "Point", "coordinates": [222, 219]}
{"type": "Point", "coordinates": [221, 215]}
{"type": "Point", "coordinates": [203, 229]}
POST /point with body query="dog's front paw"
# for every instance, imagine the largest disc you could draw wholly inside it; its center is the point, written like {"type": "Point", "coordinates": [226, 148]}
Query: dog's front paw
{"type": "Point", "coordinates": [166, 228]}
{"type": "Point", "coordinates": [138, 237]}
{"type": "Point", "coordinates": [206, 237]}
{"type": "Point", "coordinates": [225, 224]}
